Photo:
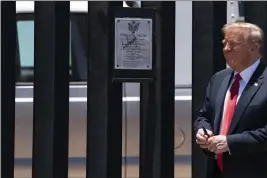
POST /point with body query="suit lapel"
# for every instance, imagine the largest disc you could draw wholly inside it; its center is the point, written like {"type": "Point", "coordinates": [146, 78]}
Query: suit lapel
{"type": "Point", "coordinates": [247, 95]}
{"type": "Point", "coordinates": [220, 101]}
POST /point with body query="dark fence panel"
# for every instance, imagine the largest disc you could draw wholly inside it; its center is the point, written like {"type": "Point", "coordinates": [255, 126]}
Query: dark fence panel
{"type": "Point", "coordinates": [164, 88]}
{"type": "Point", "coordinates": [147, 129]}
{"type": "Point", "coordinates": [51, 90]}
{"type": "Point", "coordinates": [207, 58]}
{"type": "Point", "coordinates": [104, 106]}
{"type": "Point", "coordinates": [256, 12]}
{"type": "Point", "coordinates": [8, 64]}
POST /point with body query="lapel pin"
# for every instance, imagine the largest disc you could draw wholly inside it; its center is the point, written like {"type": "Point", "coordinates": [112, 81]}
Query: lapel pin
{"type": "Point", "coordinates": [255, 84]}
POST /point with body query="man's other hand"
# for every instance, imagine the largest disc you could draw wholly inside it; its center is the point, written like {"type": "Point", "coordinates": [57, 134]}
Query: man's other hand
{"type": "Point", "coordinates": [218, 144]}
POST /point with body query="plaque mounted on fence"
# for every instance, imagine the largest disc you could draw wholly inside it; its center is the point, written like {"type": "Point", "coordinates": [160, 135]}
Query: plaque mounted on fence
{"type": "Point", "coordinates": [133, 44]}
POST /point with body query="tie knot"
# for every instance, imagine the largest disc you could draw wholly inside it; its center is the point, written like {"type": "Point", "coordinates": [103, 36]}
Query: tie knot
{"type": "Point", "coordinates": [238, 77]}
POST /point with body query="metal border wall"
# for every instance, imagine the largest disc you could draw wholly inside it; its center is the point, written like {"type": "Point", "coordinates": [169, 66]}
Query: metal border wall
{"type": "Point", "coordinates": [256, 12]}
{"type": "Point", "coordinates": [8, 65]}
{"type": "Point", "coordinates": [207, 58]}
{"type": "Point", "coordinates": [51, 90]}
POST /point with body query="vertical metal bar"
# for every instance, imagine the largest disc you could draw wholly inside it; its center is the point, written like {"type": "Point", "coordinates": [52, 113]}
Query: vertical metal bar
{"type": "Point", "coordinates": [147, 129]}
{"type": "Point", "coordinates": [51, 90]}
{"type": "Point", "coordinates": [104, 98]}
{"type": "Point", "coordinates": [219, 19]}
{"type": "Point", "coordinates": [207, 58]}
{"type": "Point", "coordinates": [166, 86]}
{"type": "Point", "coordinates": [8, 50]}
{"type": "Point", "coordinates": [164, 101]}
{"type": "Point", "coordinates": [256, 12]}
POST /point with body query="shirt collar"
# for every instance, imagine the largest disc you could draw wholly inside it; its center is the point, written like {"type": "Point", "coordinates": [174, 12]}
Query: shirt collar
{"type": "Point", "coordinates": [247, 73]}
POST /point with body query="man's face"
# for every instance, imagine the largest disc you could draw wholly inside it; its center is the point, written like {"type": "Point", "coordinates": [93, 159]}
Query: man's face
{"type": "Point", "coordinates": [235, 48]}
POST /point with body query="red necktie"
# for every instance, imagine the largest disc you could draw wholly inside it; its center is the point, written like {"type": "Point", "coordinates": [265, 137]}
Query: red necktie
{"type": "Point", "coordinates": [228, 114]}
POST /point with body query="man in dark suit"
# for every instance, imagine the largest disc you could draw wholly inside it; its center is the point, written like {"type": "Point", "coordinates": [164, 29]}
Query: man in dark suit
{"type": "Point", "coordinates": [234, 112]}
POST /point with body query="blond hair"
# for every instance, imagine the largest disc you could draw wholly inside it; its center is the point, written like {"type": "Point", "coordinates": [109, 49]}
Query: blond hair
{"type": "Point", "coordinates": [249, 31]}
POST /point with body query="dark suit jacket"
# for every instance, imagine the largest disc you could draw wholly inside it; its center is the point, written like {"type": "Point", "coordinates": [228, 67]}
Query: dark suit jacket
{"type": "Point", "coordinates": [247, 137]}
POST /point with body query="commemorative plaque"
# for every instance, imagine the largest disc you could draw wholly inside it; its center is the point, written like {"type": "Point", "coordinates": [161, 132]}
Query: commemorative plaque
{"type": "Point", "coordinates": [132, 58]}
{"type": "Point", "coordinates": [133, 43]}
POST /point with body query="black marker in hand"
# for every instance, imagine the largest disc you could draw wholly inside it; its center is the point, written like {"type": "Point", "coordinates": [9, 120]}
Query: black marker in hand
{"type": "Point", "coordinates": [205, 132]}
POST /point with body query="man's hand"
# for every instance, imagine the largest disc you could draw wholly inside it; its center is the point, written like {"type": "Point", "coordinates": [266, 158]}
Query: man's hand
{"type": "Point", "coordinates": [202, 139]}
{"type": "Point", "coordinates": [217, 144]}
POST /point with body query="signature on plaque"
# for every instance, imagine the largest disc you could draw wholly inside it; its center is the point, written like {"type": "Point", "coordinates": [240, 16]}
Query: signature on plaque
{"type": "Point", "coordinates": [133, 27]}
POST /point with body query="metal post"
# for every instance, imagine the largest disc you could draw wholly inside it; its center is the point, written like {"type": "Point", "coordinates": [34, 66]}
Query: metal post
{"type": "Point", "coordinates": [256, 12]}
{"type": "Point", "coordinates": [51, 90]}
{"type": "Point", "coordinates": [164, 88]}
{"type": "Point", "coordinates": [104, 98]}
{"type": "Point", "coordinates": [8, 50]}
{"type": "Point", "coordinates": [147, 129]}
{"type": "Point", "coordinates": [207, 58]}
